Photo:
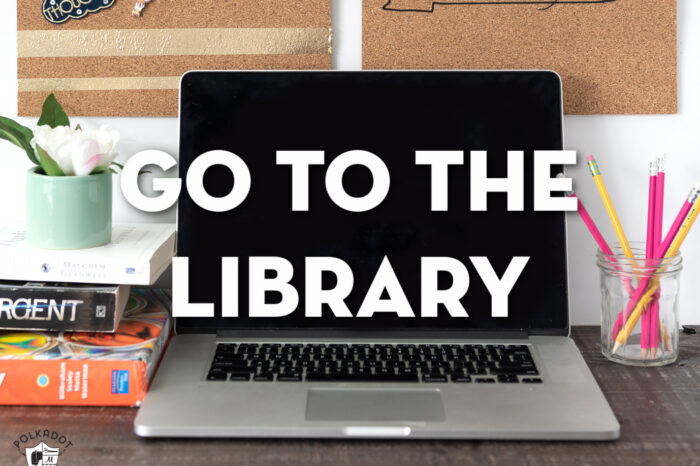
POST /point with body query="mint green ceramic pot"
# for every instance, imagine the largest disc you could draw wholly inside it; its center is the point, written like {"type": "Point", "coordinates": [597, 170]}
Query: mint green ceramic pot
{"type": "Point", "coordinates": [68, 212]}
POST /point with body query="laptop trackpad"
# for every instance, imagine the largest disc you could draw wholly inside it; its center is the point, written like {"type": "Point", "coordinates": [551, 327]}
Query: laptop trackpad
{"type": "Point", "coordinates": [374, 405]}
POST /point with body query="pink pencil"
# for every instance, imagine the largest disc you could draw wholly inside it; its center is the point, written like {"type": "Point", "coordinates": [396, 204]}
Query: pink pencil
{"type": "Point", "coordinates": [602, 244]}
{"type": "Point", "coordinates": [659, 208]}
{"type": "Point", "coordinates": [651, 224]}
{"type": "Point", "coordinates": [676, 225]}
{"type": "Point", "coordinates": [592, 228]}
{"type": "Point", "coordinates": [643, 283]}
{"type": "Point", "coordinates": [590, 224]}
{"type": "Point", "coordinates": [598, 237]}
{"type": "Point", "coordinates": [658, 231]}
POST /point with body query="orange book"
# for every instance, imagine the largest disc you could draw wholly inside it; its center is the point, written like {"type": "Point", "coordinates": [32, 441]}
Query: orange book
{"type": "Point", "coordinates": [88, 369]}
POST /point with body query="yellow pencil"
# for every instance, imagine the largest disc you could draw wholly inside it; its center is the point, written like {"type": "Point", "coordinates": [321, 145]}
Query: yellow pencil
{"type": "Point", "coordinates": [595, 171]}
{"type": "Point", "coordinates": [648, 295]}
{"type": "Point", "coordinates": [685, 227]}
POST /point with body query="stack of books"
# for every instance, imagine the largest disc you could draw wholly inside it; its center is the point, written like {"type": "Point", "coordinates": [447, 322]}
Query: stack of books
{"type": "Point", "coordinates": [77, 327]}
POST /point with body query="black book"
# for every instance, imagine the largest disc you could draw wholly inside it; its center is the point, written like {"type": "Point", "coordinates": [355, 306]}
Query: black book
{"type": "Point", "coordinates": [61, 306]}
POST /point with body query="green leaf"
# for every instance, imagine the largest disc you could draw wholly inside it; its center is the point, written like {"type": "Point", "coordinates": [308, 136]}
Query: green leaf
{"type": "Point", "coordinates": [52, 113]}
{"type": "Point", "coordinates": [48, 164]}
{"type": "Point", "coordinates": [18, 135]}
{"type": "Point", "coordinates": [99, 170]}
{"type": "Point", "coordinates": [119, 165]}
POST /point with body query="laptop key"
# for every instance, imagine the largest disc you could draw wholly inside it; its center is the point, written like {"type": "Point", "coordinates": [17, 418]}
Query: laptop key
{"type": "Point", "coordinates": [461, 379]}
{"type": "Point", "coordinates": [229, 365]}
{"type": "Point", "coordinates": [293, 377]}
{"type": "Point", "coordinates": [216, 376]}
{"type": "Point", "coordinates": [240, 376]}
{"type": "Point", "coordinates": [484, 380]}
{"type": "Point", "coordinates": [516, 365]}
{"type": "Point", "coordinates": [264, 377]}
{"type": "Point", "coordinates": [433, 378]}
{"type": "Point", "coordinates": [224, 357]}
{"type": "Point", "coordinates": [531, 380]}
{"type": "Point", "coordinates": [313, 377]}
{"type": "Point", "coordinates": [508, 379]}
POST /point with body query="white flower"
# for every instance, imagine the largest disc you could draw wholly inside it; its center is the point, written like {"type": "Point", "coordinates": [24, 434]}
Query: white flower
{"type": "Point", "coordinates": [77, 152]}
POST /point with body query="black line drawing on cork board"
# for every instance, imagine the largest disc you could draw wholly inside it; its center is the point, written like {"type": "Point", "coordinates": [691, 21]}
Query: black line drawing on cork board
{"type": "Point", "coordinates": [428, 6]}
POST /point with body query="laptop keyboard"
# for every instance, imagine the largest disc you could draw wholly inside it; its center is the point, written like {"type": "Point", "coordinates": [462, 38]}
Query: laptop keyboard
{"type": "Point", "coordinates": [267, 362]}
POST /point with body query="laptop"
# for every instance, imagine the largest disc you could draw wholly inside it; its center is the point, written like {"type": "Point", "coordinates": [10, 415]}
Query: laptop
{"type": "Point", "coordinates": [380, 361]}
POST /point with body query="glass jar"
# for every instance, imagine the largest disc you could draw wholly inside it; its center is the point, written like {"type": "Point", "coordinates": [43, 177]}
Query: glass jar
{"type": "Point", "coordinates": [639, 307]}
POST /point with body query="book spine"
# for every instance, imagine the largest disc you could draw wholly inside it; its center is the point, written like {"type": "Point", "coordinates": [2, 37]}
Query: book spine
{"type": "Point", "coordinates": [72, 382]}
{"type": "Point", "coordinates": [98, 272]}
{"type": "Point", "coordinates": [38, 308]}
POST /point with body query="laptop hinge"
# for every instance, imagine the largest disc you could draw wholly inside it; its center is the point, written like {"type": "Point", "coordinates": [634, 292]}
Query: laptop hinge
{"type": "Point", "coordinates": [364, 334]}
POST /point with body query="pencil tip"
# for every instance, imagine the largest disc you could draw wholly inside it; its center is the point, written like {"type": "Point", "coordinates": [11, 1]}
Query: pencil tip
{"type": "Point", "coordinates": [589, 158]}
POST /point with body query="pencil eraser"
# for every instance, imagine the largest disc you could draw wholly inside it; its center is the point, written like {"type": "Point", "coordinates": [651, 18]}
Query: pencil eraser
{"type": "Point", "coordinates": [589, 158]}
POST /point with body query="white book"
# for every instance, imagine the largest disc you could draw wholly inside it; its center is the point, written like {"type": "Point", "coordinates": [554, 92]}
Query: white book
{"type": "Point", "coordinates": [137, 255]}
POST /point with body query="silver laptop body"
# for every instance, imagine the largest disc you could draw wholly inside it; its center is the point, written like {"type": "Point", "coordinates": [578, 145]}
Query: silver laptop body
{"type": "Point", "coordinates": [481, 378]}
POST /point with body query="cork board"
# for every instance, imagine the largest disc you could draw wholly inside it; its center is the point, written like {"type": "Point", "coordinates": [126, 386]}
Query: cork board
{"type": "Point", "coordinates": [112, 64]}
{"type": "Point", "coordinates": [614, 56]}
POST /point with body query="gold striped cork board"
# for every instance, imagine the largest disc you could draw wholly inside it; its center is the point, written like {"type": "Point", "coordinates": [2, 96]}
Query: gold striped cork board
{"type": "Point", "coordinates": [614, 56]}
{"type": "Point", "coordinates": [110, 63]}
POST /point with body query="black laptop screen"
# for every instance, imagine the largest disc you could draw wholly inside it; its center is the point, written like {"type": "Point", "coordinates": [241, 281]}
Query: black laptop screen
{"type": "Point", "coordinates": [391, 115]}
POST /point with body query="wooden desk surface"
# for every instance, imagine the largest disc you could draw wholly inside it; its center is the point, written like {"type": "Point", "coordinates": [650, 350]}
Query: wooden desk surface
{"type": "Point", "coordinates": [659, 410]}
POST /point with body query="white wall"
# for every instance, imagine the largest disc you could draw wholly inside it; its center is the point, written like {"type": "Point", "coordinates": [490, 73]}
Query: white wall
{"type": "Point", "coordinates": [622, 145]}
